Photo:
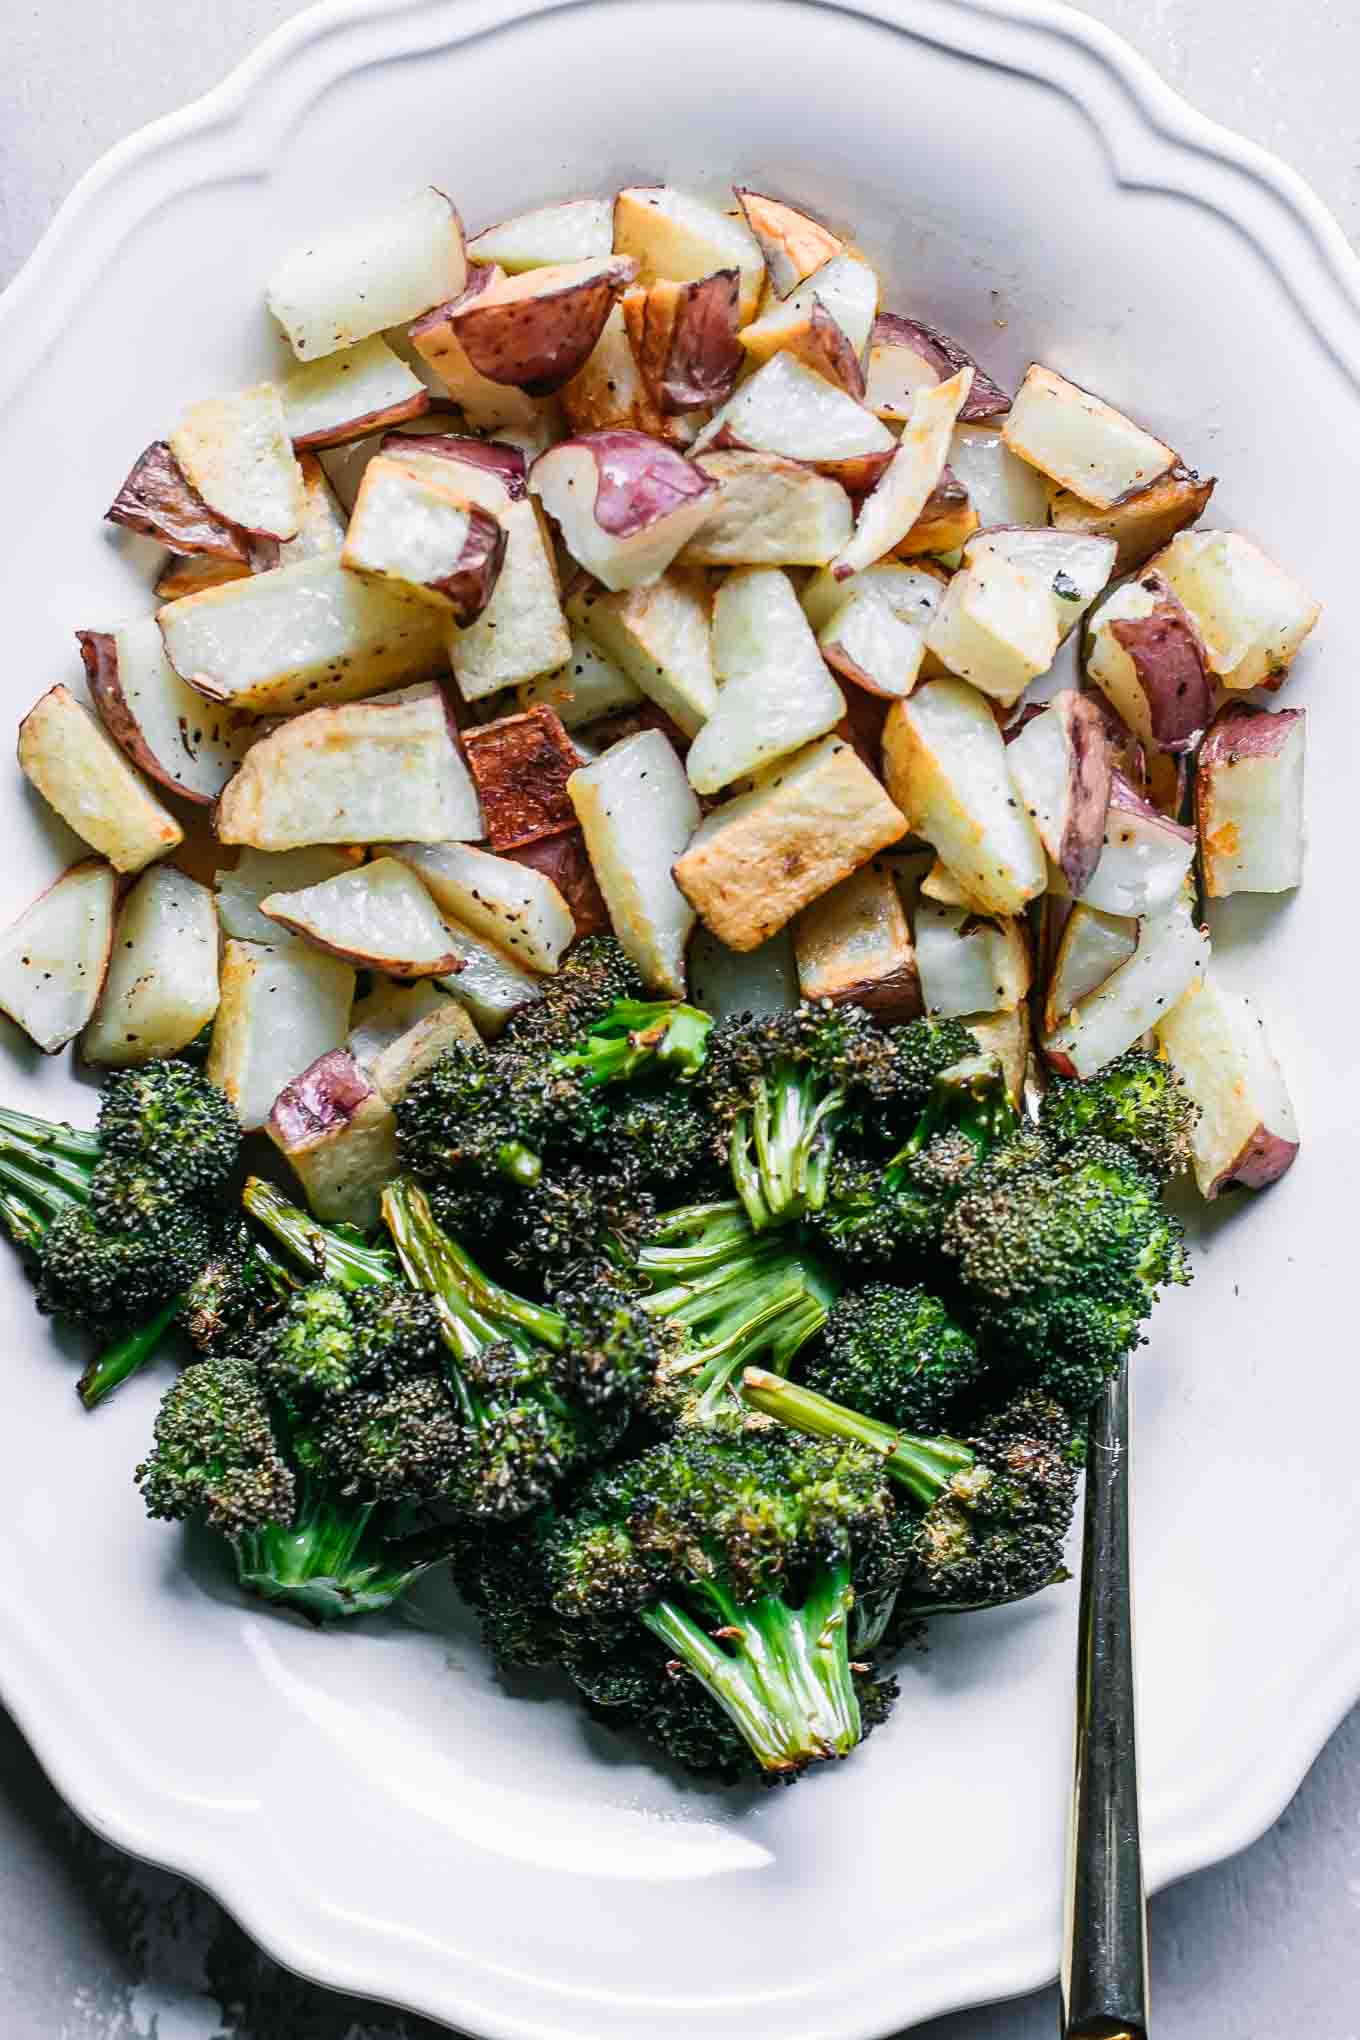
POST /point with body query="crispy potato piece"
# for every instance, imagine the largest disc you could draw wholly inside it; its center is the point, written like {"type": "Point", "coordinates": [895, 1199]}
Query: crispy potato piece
{"type": "Point", "coordinates": [946, 522]}
{"type": "Point", "coordinates": [1061, 764]}
{"type": "Point", "coordinates": [79, 770]}
{"type": "Point", "coordinates": [995, 627]}
{"type": "Point", "coordinates": [901, 493]}
{"type": "Point", "coordinates": [420, 1047]}
{"type": "Point", "coordinates": [281, 1007]}
{"type": "Point", "coordinates": [53, 959]}
{"type": "Point", "coordinates": [1141, 523]}
{"type": "Point", "coordinates": [425, 539]}
{"type": "Point", "coordinates": [1251, 614]}
{"type": "Point", "coordinates": [520, 765]}
{"type": "Point", "coordinates": [787, 408]}
{"type": "Point", "coordinates": [1171, 953]}
{"type": "Point", "coordinates": [1007, 1037]}
{"type": "Point", "coordinates": [1080, 441]}
{"type": "Point", "coordinates": [775, 693]}
{"type": "Point", "coordinates": [1249, 800]}
{"type": "Point", "coordinates": [1002, 488]}
{"type": "Point", "coordinates": [1092, 947]}
{"type": "Point", "coordinates": [1075, 565]}
{"type": "Point", "coordinates": [346, 396]}
{"type": "Point", "coordinates": [161, 988]}
{"type": "Point", "coordinates": [379, 916]}
{"type": "Point", "coordinates": [660, 637]}
{"type": "Point", "coordinates": [159, 501]}
{"type": "Point", "coordinates": [578, 230]}
{"type": "Point", "coordinates": [193, 572]}
{"type": "Point", "coordinates": [807, 823]}
{"type": "Point", "coordinates": [676, 236]}
{"type": "Point", "coordinates": [487, 406]}
{"type": "Point", "coordinates": [608, 393]}
{"type": "Point", "coordinates": [1246, 1133]}
{"type": "Point", "coordinates": [1146, 656]}
{"type": "Point", "coordinates": [522, 632]}
{"type": "Point", "coordinates": [793, 244]}
{"type": "Point", "coordinates": [173, 734]}
{"type": "Point", "coordinates": [257, 873]}
{"type": "Point", "coordinates": [391, 1010]}
{"type": "Point", "coordinates": [624, 503]}
{"type": "Point", "coordinates": [638, 812]}
{"type": "Point", "coordinates": [841, 296]}
{"type": "Point", "coordinates": [518, 908]}
{"type": "Point", "coordinates": [537, 329]}
{"type": "Point", "coordinates": [867, 642]}
{"type": "Point", "coordinates": [969, 962]}
{"type": "Point", "coordinates": [769, 512]}
{"type": "Point", "coordinates": [854, 947]}
{"type": "Point", "coordinates": [906, 357]}
{"type": "Point", "coordinates": [237, 453]}
{"type": "Point", "coordinates": [371, 273]}
{"type": "Point", "coordinates": [684, 338]}
{"type": "Point", "coordinates": [340, 1135]}
{"type": "Point", "coordinates": [487, 983]}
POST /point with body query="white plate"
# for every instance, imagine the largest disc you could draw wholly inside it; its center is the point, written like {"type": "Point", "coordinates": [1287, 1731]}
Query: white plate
{"type": "Point", "coordinates": [367, 1803]}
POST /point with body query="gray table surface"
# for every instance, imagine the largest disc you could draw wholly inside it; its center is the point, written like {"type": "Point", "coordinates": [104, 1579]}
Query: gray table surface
{"type": "Point", "coordinates": [94, 1946]}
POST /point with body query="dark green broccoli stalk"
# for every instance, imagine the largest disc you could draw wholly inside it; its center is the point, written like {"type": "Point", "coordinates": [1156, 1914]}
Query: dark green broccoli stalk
{"type": "Point", "coordinates": [1136, 1101]}
{"type": "Point", "coordinates": [636, 1035]}
{"type": "Point", "coordinates": [726, 1295]}
{"type": "Point", "coordinates": [332, 1253]}
{"type": "Point", "coordinates": [592, 977]}
{"type": "Point", "coordinates": [894, 1353]}
{"type": "Point", "coordinates": [731, 1554]}
{"type": "Point", "coordinates": [1056, 1256]}
{"type": "Point", "coordinates": [993, 1510]}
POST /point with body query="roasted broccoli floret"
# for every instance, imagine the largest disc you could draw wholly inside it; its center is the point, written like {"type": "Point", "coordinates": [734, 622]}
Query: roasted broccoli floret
{"type": "Point", "coordinates": [729, 1556]}
{"type": "Point", "coordinates": [991, 1511]}
{"type": "Point", "coordinates": [236, 1291]}
{"type": "Point", "coordinates": [1136, 1101]}
{"type": "Point", "coordinates": [893, 1352]}
{"type": "Point", "coordinates": [1057, 1255]}
{"type": "Point", "coordinates": [578, 1218]}
{"type": "Point", "coordinates": [167, 1117]}
{"type": "Point", "coordinates": [331, 1253]}
{"type": "Point", "coordinates": [725, 1295]}
{"type": "Point", "coordinates": [592, 976]}
{"type": "Point", "coordinates": [661, 1037]}
{"type": "Point", "coordinates": [479, 1114]}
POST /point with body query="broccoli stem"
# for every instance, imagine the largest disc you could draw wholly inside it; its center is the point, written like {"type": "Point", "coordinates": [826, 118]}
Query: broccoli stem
{"type": "Point", "coordinates": [120, 1361]}
{"type": "Point", "coordinates": [782, 1675]}
{"type": "Point", "coordinates": [925, 1467]}
{"type": "Point", "coordinates": [474, 1311]}
{"type": "Point", "coordinates": [54, 1136]}
{"type": "Point", "coordinates": [334, 1559]}
{"type": "Point", "coordinates": [333, 1253]}
{"type": "Point", "coordinates": [970, 1099]}
{"type": "Point", "coordinates": [638, 1034]}
{"type": "Point", "coordinates": [48, 1180]}
{"type": "Point", "coordinates": [780, 1151]}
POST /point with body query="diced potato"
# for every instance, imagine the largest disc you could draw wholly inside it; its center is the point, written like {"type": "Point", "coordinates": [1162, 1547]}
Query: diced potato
{"type": "Point", "coordinates": [793, 244]}
{"type": "Point", "coordinates": [995, 627]}
{"type": "Point", "coordinates": [521, 632]}
{"type": "Point", "coordinates": [486, 406]}
{"type": "Point", "coordinates": [379, 916]}
{"type": "Point", "coordinates": [1080, 441]}
{"type": "Point", "coordinates": [623, 502]}
{"type": "Point", "coordinates": [847, 289]}
{"type": "Point", "coordinates": [181, 740]}
{"type": "Point", "coordinates": [367, 772]}
{"type": "Point", "coordinates": [1141, 522]}
{"type": "Point", "coordinates": [576, 231]}
{"type": "Point", "coordinates": [565, 862]}
{"type": "Point", "coordinates": [340, 1135]}
{"type": "Point", "coordinates": [774, 694]}
{"type": "Point", "coordinates": [1007, 1037]}
{"type": "Point", "coordinates": [518, 909]}
{"type": "Point", "coordinates": [194, 573]}
{"type": "Point", "coordinates": [866, 640]}
{"type": "Point", "coordinates": [520, 765]}
{"type": "Point", "coordinates": [391, 1009]}
{"type": "Point", "coordinates": [676, 236]}
{"type": "Point", "coordinates": [945, 765]}
{"type": "Point", "coordinates": [1145, 654]}
{"type": "Point", "coordinates": [237, 453]}
{"type": "Point", "coordinates": [1171, 953]}
{"type": "Point", "coordinates": [1061, 764]}
{"type": "Point", "coordinates": [424, 540]}
{"type": "Point", "coordinates": [80, 771]}
{"type": "Point", "coordinates": [1002, 488]}
{"type": "Point", "coordinates": [912, 592]}
{"type": "Point", "coordinates": [53, 959]}
{"type": "Point", "coordinates": [158, 500]}
{"type": "Point", "coordinates": [906, 357]}
{"type": "Point", "coordinates": [535, 330]}
{"type": "Point", "coordinates": [906, 484]}
{"type": "Point", "coordinates": [371, 273]}
{"type": "Point", "coordinates": [1252, 615]}
{"type": "Point", "coordinates": [608, 393]}
{"type": "Point", "coordinates": [486, 983]}
{"type": "Point", "coordinates": [969, 965]}
{"type": "Point", "coordinates": [1092, 948]}
{"type": "Point", "coordinates": [322, 526]}
{"type": "Point", "coordinates": [769, 512]}
{"type": "Point", "coordinates": [282, 1006]}
{"type": "Point", "coordinates": [638, 812]}
{"type": "Point", "coordinates": [940, 885]}
{"type": "Point", "coordinates": [724, 982]}
{"type": "Point", "coordinates": [161, 988]}
{"type": "Point", "coordinates": [1075, 565]}
{"type": "Point", "coordinates": [1246, 1133]}
{"type": "Point", "coordinates": [1249, 800]}
{"type": "Point", "coordinates": [1144, 859]}
{"type": "Point", "coordinates": [302, 635]}
{"type": "Point", "coordinates": [660, 637]}
{"type": "Point", "coordinates": [787, 408]}
{"type": "Point", "coordinates": [854, 947]}
{"type": "Point", "coordinates": [946, 520]}
{"type": "Point", "coordinates": [808, 822]}
{"type": "Point", "coordinates": [684, 339]}
{"type": "Point", "coordinates": [588, 686]}
{"type": "Point", "coordinates": [344, 396]}
{"type": "Point", "coordinates": [258, 873]}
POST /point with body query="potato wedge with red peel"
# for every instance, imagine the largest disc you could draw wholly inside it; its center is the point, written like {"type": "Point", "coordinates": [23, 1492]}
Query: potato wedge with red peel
{"type": "Point", "coordinates": [1249, 800]}
{"type": "Point", "coordinates": [535, 330]}
{"type": "Point", "coordinates": [159, 501]}
{"type": "Point", "coordinates": [578, 230]}
{"type": "Point", "coordinates": [968, 963]}
{"type": "Point", "coordinates": [946, 522]}
{"type": "Point", "coordinates": [845, 289]}
{"type": "Point", "coordinates": [906, 484]}
{"type": "Point", "coordinates": [787, 408]}
{"type": "Point", "coordinates": [945, 765]}
{"type": "Point", "coordinates": [1139, 524]}
{"type": "Point", "coordinates": [346, 396]}
{"type": "Point", "coordinates": [517, 908]}
{"type": "Point", "coordinates": [821, 345]}
{"type": "Point", "coordinates": [391, 1010]}
{"type": "Point", "coordinates": [520, 765]}
{"type": "Point", "coordinates": [340, 1135]}
{"type": "Point", "coordinates": [774, 691]}
{"type": "Point", "coordinates": [237, 453]}
{"type": "Point", "coordinates": [161, 988]}
{"type": "Point", "coordinates": [638, 812]}
{"type": "Point", "coordinates": [995, 627]}
{"type": "Point", "coordinates": [1061, 766]}
{"type": "Point", "coordinates": [1172, 952]}
{"type": "Point", "coordinates": [794, 245]}
{"type": "Point", "coordinates": [305, 634]}
{"type": "Point", "coordinates": [368, 772]}
{"type": "Point", "coordinates": [1092, 947]}
{"type": "Point", "coordinates": [1251, 614]}
{"type": "Point", "coordinates": [867, 642]}
{"type": "Point", "coordinates": [672, 235]}
{"type": "Point", "coordinates": [1145, 654]}
{"type": "Point", "coordinates": [490, 472]}
{"type": "Point", "coordinates": [522, 632]}
{"type": "Point", "coordinates": [1081, 442]}
{"type": "Point", "coordinates": [808, 822]}
{"type": "Point", "coordinates": [257, 873]}
{"type": "Point", "coordinates": [487, 984]}
{"type": "Point", "coordinates": [53, 959]}
{"type": "Point", "coordinates": [425, 540]}
{"type": "Point", "coordinates": [281, 1007]}
{"type": "Point", "coordinates": [1246, 1133]}
{"type": "Point", "coordinates": [853, 946]}
{"type": "Point", "coordinates": [660, 636]}
{"type": "Point", "coordinates": [379, 917]}
{"type": "Point", "coordinates": [184, 742]}
{"type": "Point", "coordinates": [1075, 565]}
{"type": "Point", "coordinates": [769, 512]}
{"type": "Point", "coordinates": [420, 1047]}
{"type": "Point", "coordinates": [588, 686]}
{"type": "Point", "coordinates": [564, 860]}
{"type": "Point", "coordinates": [684, 337]}
{"type": "Point", "coordinates": [609, 393]}
{"type": "Point", "coordinates": [487, 406]}
{"type": "Point", "coordinates": [906, 357]}
{"type": "Point", "coordinates": [1001, 488]}
{"type": "Point", "coordinates": [624, 504]}
{"type": "Point", "coordinates": [80, 771]}
{"type": "Point", "coordinates": [1144, 859]}
{"type": "Point", "coordinates": [192, 573]}
{"type": "Point", "coordinates": [382, 270]}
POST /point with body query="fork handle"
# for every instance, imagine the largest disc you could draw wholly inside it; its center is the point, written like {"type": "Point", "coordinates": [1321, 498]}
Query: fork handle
{"type": "Point", "coordinates": [1105, 1976]}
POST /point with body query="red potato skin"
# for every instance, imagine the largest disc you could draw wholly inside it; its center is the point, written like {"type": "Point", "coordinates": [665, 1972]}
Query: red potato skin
{"type": "Point", "coordinates": [473, 580]}
{"type": "Point", "coordinates": [1241, 730]}
{"type": "Point", "coordinates": [1126, 752]}
{"type": "Point", "coordinates": [160, 502]}
{"type": "Point", "coordinates": [1090, 776]}
{"type": "Point", "coordinates": [538, 344]}
{"type": "Point", "coordinates": [326, 1096]}
{"type": "Point", "coordinates": [367, 421]}
{"type": "Point", "coordinates": [520, 765]}
{"type": "Point", "coordinates": [1169, 660]}
{"type": "Point", "coordinates": [826, 350]}
{"type": "Point", "coordinates": [684, 338]}
{"type": "Point", "coordinates": [362, 959]}
{"type": "Point", "coordinates": [99, 651]}
{"type": "Point", "coordinates": [986, 399]}
{"type": "Point", "coordinates": [506, 462]}
{"type": "Point", "coordinates": [1263, 1158]}
{"type": "Point", "coordinates": [857, 473]}
{"type": "Point", "coordinates": [639, 481]}
{"type": "Point", "coordinates": [565, 860]}
{"type": "Point", "coordinates": [1126, 799]}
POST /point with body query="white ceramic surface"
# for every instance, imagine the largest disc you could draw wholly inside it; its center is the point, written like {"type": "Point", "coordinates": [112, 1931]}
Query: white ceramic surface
{"type": "Point", "coordinates": [368, 1803]}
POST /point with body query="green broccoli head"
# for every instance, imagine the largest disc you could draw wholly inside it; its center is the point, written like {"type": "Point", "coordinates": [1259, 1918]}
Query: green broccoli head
{"type": "Point", "coordinates": [235, 1292]}
{"type": "Point", "coordinates": [895, 1353]}
{"type": "Point", "coordinates": [1137, 1101]}
{"type": "Point", "coordinates": [102, 1277]}
{"type": "Point", "coordinates": [327, 1341]}
{"type": "Point", "coordinates": [576, 1217]}
{"type": "Point", "coordinates": [593, 975]}
{"type": "Point", "coordinates": [214, 1454]}
{"type": "Point", "coordinates": [170, 1118]}
{"type": "Point", "coordinates": [478, 1113]}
